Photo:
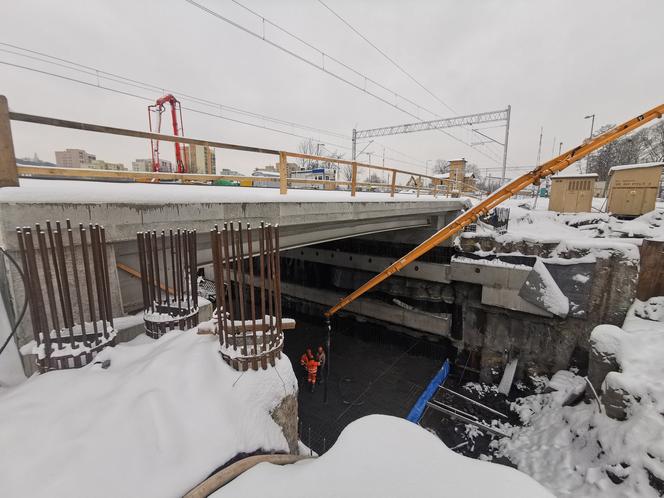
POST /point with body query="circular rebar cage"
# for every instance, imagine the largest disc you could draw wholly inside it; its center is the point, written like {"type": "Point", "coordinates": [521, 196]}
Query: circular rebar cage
{"type": "Point", "coordinates": [71, 314]}
{"type": "Point", "coordinates": [248, 290]}
{"type": "Point", "coordinates": [169, 283]}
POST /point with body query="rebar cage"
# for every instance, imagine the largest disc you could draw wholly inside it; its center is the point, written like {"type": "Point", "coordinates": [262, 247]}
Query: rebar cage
{"type": "Point", "coordinates": [168, 266]}
{"type": "Point", "coordinates": [74, 321]}
{"type": "Point", "coordinates": [248, 290]}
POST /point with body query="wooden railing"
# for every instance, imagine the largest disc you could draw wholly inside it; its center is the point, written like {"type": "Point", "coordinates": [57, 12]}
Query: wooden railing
{"type": "Point", "coordinates": [10, 171]}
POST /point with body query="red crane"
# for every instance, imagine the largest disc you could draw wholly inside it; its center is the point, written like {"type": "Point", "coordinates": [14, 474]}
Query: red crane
{"type": "Point", "coordinates": [156, 110]}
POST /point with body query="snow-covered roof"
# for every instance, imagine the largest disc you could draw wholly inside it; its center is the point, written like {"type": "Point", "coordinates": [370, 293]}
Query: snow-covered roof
{"type": "Point", "coordinates": [636, 166]}
{"type": "Point", "coordinates": [567, 177]}
{"type": "Point", "coordinates": [265, 173]}
{"type": "Point", "coordinates": [444, 176]}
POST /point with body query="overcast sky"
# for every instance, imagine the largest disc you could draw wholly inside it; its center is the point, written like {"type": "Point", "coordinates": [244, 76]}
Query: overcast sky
{"type": "Point", "coordinates": [554, 62]}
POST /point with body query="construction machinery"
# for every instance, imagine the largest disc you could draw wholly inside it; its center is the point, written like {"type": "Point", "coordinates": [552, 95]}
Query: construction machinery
{"type": "Point", "coordinates": [155, 113]}
{"type": "Point", "coordinates": [503, 193]}
{"type": "Point", "coordinates": [533, 177]}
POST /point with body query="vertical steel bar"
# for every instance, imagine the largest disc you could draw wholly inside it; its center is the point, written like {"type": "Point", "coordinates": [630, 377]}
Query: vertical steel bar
{"type": "Point", "coordinates": [252, 302]}
{"type": "Point", "coordinates": [97, 267]}
{"type": "Point", "coordinates": [218, 285]}
{"type": "Point", "coordinates": [185, 266]}
{"type": "Point", "coordinates": [150, 268]}
{"type": "Point", "coordinates": [268, 255]}
{"type": "Point", "coordinates": [178, 260]}
{"type": "Point", "coordinates": [193, 256]}
{"type": "Point", "coordinates": [48, 279]}
{"type": "Point", "coordinates": [173, 267]}
{"type": "Point", "coordinates": [165, 259]}
{"type": "Point", "coordinates": [27, 271]}
{"type": "Point", "coordinates": [77, 282]}
{"type": "Point", "coordinates": [227, 268]}
{"type": "Point", "coordinates": [140, 241]}
{"type": "Point", "coordinates": [261, 263]}
{"type": "Point", "coordinates": [67, 314]}
{"type": "Point", "coordinates": [107, 281]}
{"type": "Point", "coordinates": [155, 258]}
{"type": "Point", "coordinates": [56, 270]}
{"type": "Point", "coordinates": [239, 261]}
{"type": "Point", "coordinates": [88, 278]}
{"type": "Point", "coordinates": [43, 335]}
{"type": "Point", "coordinates": [277, 280]}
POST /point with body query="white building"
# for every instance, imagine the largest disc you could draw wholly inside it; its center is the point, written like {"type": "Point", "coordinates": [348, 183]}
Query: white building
{"type": "Point", "coordinates": [73, 158]}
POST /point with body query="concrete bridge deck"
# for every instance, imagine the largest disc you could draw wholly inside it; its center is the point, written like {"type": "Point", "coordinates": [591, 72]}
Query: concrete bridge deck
{"type": "Point", "coordinates": [305, 217]}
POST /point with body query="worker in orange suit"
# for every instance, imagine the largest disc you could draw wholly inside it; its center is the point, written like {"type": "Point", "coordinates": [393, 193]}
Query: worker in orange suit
{"type": "Point", "coordinates": [306, 356]}
{"type": "Point", "coordinates": [312, 370]}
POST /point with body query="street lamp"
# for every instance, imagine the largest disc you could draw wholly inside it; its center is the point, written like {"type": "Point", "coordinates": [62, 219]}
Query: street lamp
{"type": "Point", "coordinates": [592, 123]}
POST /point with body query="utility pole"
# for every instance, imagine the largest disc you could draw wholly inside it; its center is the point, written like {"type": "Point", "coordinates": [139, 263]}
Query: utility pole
{"type": "Point", "coordinates": [553, 147]}
{"type": "Point", "coordinates": [507, 136]}
{"type": "Point", "coordinates": [539, 148]}
{"type": "Point", "coordinates": [592, 128]}
{"type": "Point", "coordinates": [560, 148]}
{"type": "Point", "coordinates": [592, 124]}
{"type": "Point", "coordinates": [354, 144]}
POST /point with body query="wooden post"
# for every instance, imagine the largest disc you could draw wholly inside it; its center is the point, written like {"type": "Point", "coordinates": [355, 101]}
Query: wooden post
{"type": "Point", "coordinates": [353, 180]}
{"type": "Point", "coordinates": [283, 173]}
{"type": "Point", "coordinates": [8, 171]}
{"type": "Point", "coordinates": [394, 183]}
{"type": "Point", "coordinates": [419, 184]}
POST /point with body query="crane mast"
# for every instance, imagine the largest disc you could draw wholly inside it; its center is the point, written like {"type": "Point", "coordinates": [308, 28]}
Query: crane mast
{"type": "Point", "coordinates": [155, 113]}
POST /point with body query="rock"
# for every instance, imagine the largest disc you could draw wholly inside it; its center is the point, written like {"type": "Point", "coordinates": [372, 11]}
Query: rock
{"type": "Point", "coordinates": [285, 415]}
{"type": "Point", "coordinates": [604, 345]}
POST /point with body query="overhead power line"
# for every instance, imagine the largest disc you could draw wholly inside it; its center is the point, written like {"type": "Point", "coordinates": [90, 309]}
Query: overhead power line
{"type": "Point", "coordinates": [321, 66]}
{"type": "Point", "coordinates": [198, 111]}
{"type": "Point", "coordinates": [390, 59]}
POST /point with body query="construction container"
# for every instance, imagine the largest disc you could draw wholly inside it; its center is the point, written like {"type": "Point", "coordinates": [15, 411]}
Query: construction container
{"type": "Point", "coordinates": [572, 194]}
{"type": "Point", "coordinates": [633, 188]}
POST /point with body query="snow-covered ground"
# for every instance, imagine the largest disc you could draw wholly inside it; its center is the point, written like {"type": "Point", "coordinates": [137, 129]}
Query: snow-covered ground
{"type": "Point", "coordinates": [156, 422]}
{"type": "Point", "coordinates": [580, 451]}
{"type": "Point", "coordinates": [382, 456]}
{"type": "Point", "coordinates": [594, 234]}
{"type": "Point", "coordinates": [72, 191]}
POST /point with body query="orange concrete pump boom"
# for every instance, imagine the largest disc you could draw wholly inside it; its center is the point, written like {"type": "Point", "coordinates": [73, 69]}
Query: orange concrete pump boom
{"type": "Point", "coordinates": [533, 177]}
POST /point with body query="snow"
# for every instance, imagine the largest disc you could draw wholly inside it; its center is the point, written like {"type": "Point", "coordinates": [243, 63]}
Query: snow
{"type": "Point", "coordinates": [76, 192]}
{"type": "Point", "coordinates": [578, 450]}
{"type": "Point", "coordinates": [550, 295]}
{"type": "Point", "coordinates": [381, 456]}
{"type": "Point", "coordinates": [563, 176]}
{"type": "Point", "coordinates": [490, 262]}
{"type": "Point", "coordinates": [594, 234]}
{"type": "Point", "coordinates": [164, 415]}
{"type": "Point", "coordinates": [635, 166]}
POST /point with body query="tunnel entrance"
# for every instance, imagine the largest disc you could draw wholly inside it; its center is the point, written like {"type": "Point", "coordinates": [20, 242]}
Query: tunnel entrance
{"type": "Point", "coordinates": [373, 371]}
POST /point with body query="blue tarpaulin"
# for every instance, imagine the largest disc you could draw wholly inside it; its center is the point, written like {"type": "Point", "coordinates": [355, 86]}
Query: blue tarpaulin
{"type": "Point", "coordinates": [418, 408]}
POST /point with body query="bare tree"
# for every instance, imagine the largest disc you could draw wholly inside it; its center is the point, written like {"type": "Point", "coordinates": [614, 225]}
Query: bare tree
{"type": "Point", "coordinates": [441, 166]}
{"type": "Point", "coordinates": [373, 178]}
{"type": "Point", "coordinates": [306, 146]}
